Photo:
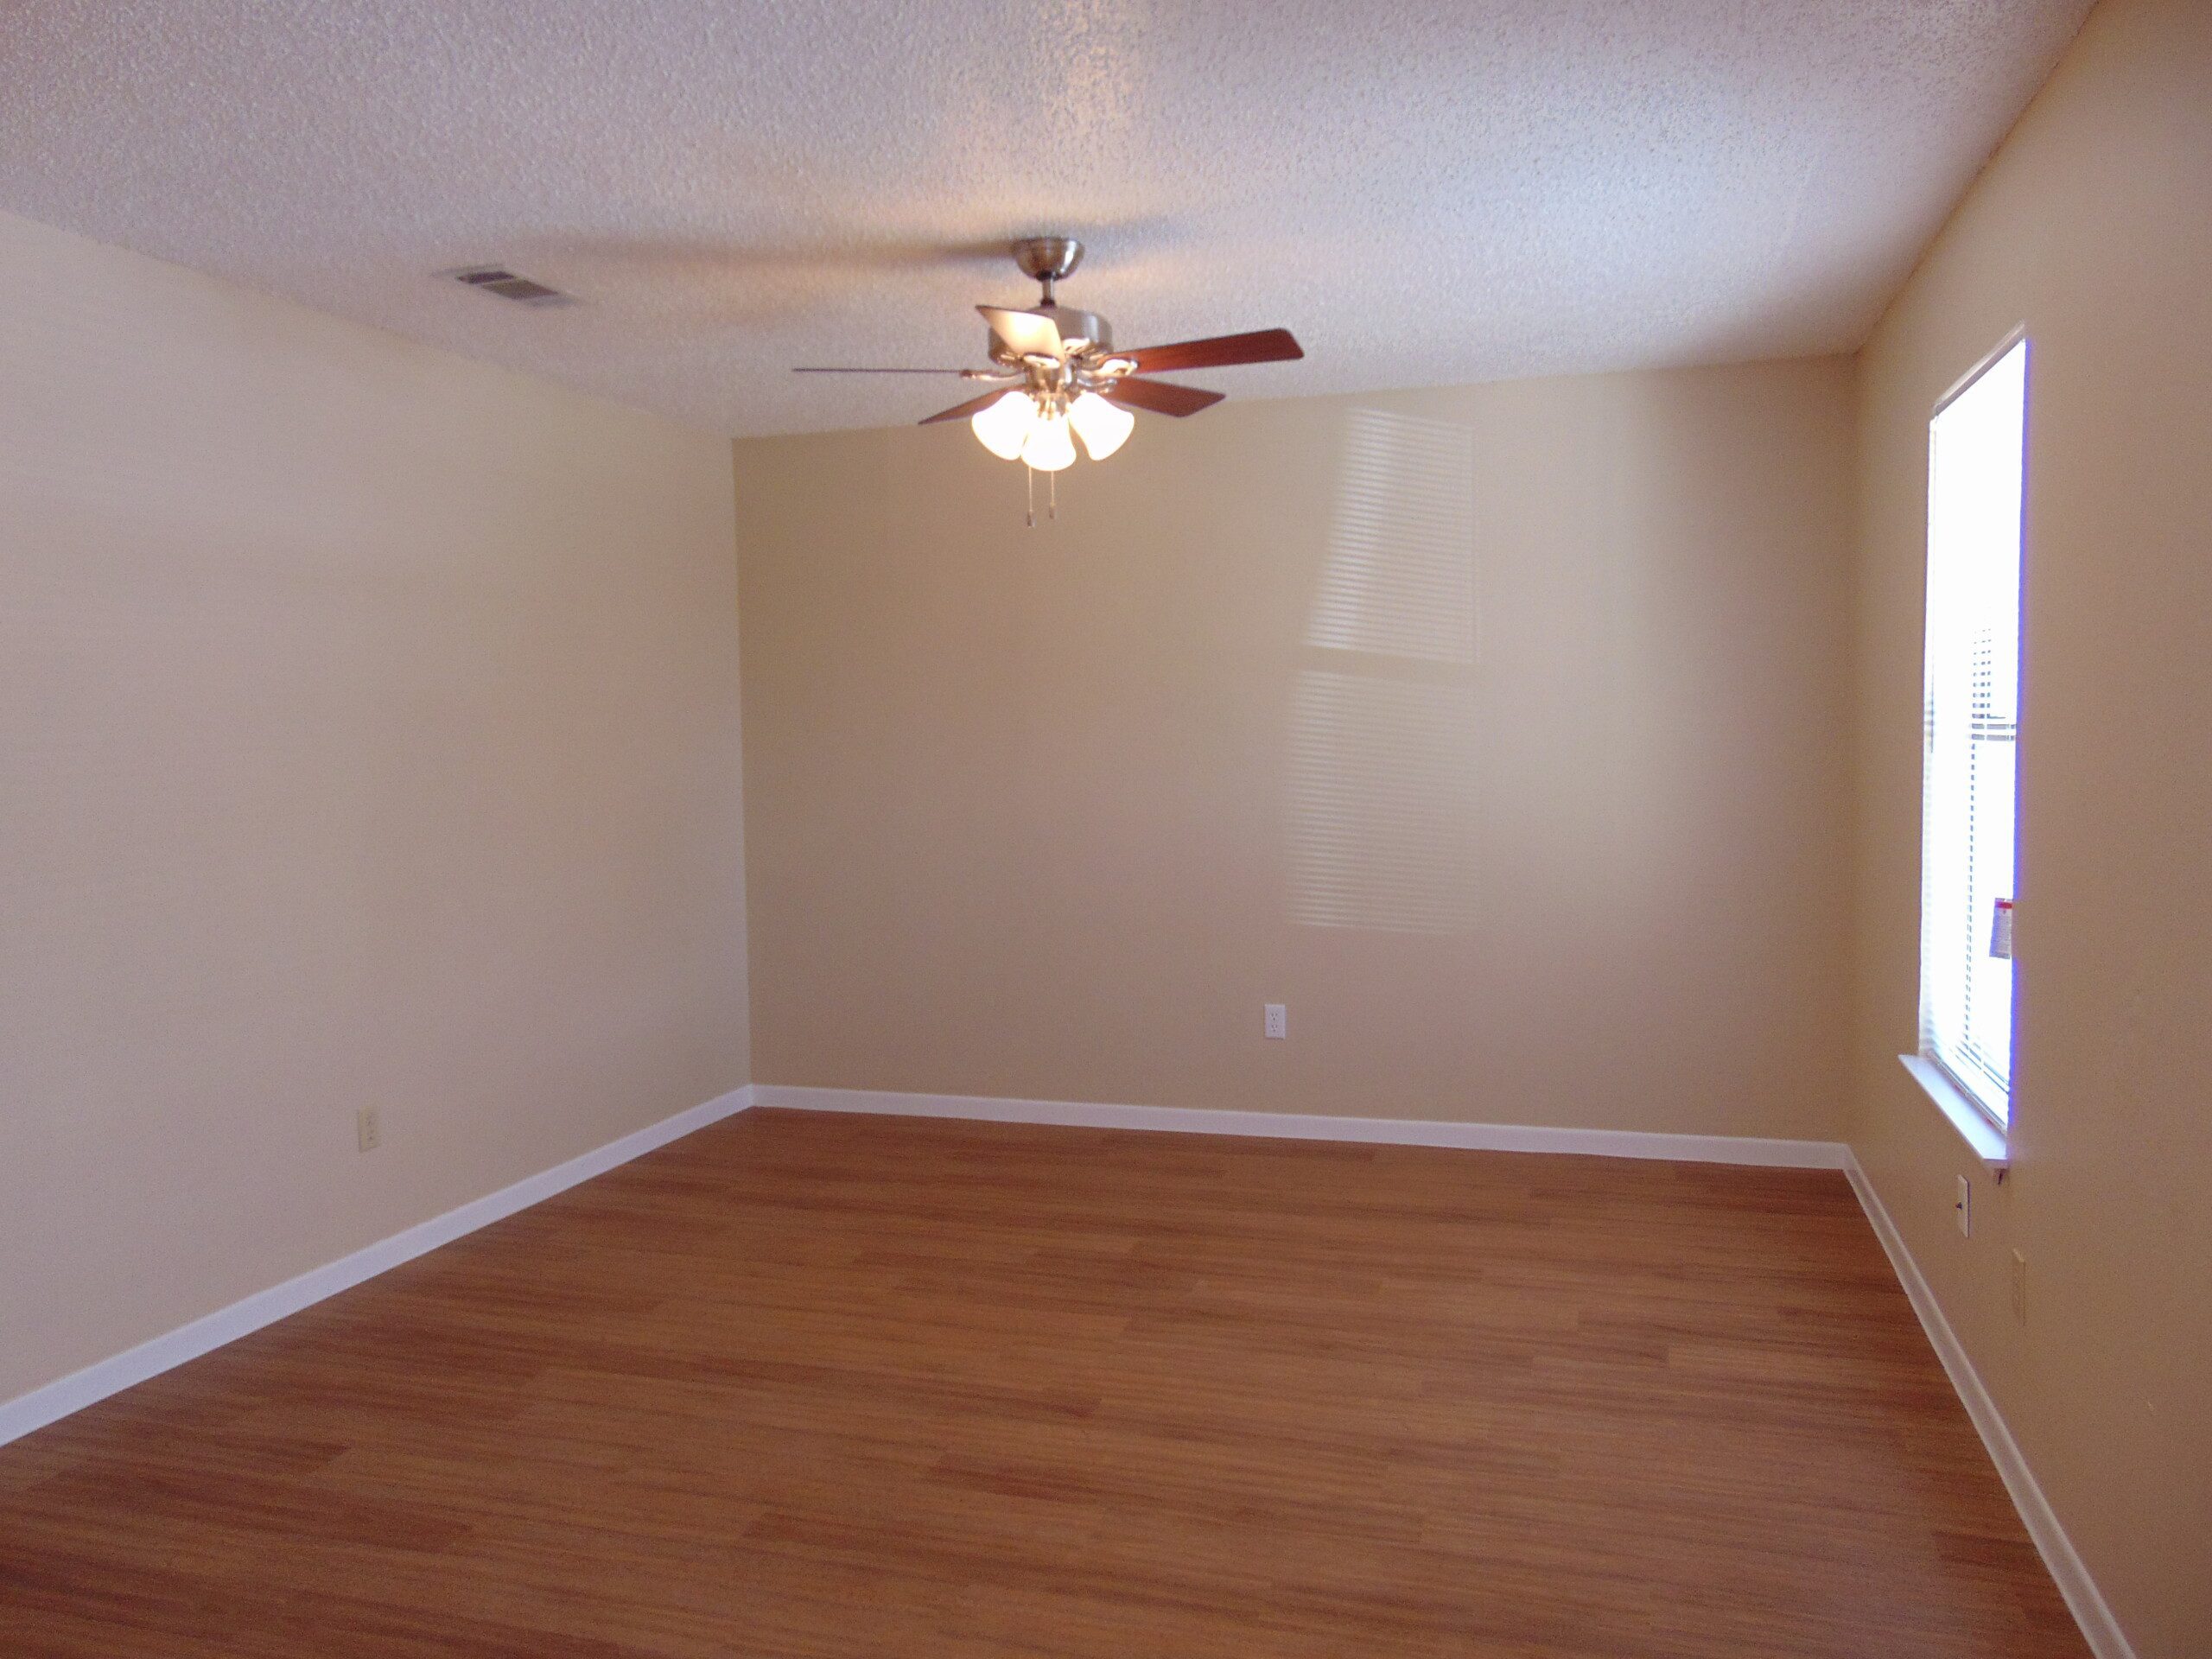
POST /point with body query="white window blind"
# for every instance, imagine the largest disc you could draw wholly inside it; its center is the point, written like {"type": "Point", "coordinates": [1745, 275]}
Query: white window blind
{"type": "Point", "coordinates": [1975, 454]}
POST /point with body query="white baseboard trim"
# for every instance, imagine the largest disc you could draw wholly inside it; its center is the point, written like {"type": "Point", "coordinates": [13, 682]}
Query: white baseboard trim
{"type": "Point", "coordinates": [1391, 1131]}
{"type": "Point", "coordinates": [56, 1399]}
{"type": "Point", "coordinates": [2099, 1628]}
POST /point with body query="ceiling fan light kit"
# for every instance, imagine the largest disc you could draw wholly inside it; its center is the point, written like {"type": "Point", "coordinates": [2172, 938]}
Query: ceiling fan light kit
{"type": "Point", "coordinates": [1103, 424]}
{"type": "Point", "coordinates": [1004, 423]}
{"type": "Point", "coordinates": [1057, 377]}
{"type": "Point", "coordinates": [1014, 426]}
{"type": "Point", "coordinates": [1049, 447]}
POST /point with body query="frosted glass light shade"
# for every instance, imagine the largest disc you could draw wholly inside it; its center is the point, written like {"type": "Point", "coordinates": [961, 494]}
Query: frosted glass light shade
{"type": "Point", "coordinates": [1102, 425]}
{"type": "Point", "coordinates": [1050, 447]}
{"type": "Point", "coordinates": [1003, 427]}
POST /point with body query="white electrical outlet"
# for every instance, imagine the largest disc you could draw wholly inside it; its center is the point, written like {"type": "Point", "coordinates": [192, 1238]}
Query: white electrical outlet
{"type": "Point", "coordinates": [1278, 1020]}
{"type": "Point", "coordinates": [367, 1128]}
{"type": "Point", "coordinates": [1965, 1207]}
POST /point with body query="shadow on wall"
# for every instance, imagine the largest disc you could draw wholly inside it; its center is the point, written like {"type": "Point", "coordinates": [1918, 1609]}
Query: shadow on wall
{"type": "Point", "coordinates": [1379, 814]}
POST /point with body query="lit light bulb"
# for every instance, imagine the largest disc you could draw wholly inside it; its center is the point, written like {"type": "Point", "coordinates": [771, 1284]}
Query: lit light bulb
{"type": "Point", "coordinates": [1003, 427]}
{"type": "Point", "coordinates": [1102, 424]}
{"type": "Point", "coordinates": [1050, 447]}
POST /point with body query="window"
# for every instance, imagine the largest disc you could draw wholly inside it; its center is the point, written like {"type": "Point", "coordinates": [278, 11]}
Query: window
{"type": "Point", "coordinates": [1976, 446]}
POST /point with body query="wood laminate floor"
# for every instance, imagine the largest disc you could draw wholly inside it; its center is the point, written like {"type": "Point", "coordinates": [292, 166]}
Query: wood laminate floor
{"type": "Point", "coordinates": [811, 1385]}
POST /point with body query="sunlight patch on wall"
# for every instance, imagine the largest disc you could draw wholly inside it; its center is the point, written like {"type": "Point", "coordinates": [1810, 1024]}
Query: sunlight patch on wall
{"type": "Point", "coordinates": [1380, 791]}
{"type": "Point", "coordinates": [1401, 575]}
{"type": "Point", "coordinates": [1381, 802]}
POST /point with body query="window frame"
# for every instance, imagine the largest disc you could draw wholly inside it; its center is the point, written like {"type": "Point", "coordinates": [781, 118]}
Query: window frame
{"type": "Point", "coordinates": [1950, 1090]}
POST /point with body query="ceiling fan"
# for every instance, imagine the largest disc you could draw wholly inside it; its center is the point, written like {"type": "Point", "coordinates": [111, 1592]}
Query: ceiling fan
{"type": "Point", "coordinates": [1058, 377]}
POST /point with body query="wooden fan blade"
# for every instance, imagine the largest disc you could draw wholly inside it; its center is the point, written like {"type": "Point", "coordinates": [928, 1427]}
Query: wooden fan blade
{"type": "Point", "coordinates": [1222, 351]}
{"type": "Point", "coordinates": [883, 370]}
{"type": "Point", "coordinates": [961, 411]}
{"type": "Point", "coordinates": [1025, 334]}
{"type": "Point", "coordinates": [1163, 398]}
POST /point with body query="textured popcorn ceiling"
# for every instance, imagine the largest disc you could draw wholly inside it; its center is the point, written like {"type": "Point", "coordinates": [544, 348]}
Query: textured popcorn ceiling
{"type": "Point", "coordinates": [1427, 193]}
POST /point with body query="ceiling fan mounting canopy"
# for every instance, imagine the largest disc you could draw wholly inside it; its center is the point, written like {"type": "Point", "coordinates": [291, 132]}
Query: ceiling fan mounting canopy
{"type": "Point", "coordinates": [1048, 260]}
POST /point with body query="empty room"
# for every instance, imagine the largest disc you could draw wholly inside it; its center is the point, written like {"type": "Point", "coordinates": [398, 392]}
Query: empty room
{"type": "Point", "coordinates": [1090, 830]}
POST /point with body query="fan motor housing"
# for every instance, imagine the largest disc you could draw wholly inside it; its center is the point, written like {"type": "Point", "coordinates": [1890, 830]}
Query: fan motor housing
{"type": "Point", "coordinates": [1072, 323]}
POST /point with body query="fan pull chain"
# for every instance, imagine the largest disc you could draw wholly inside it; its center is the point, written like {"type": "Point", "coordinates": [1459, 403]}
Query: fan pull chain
{"type": "Point", "coordinates": [1031, 472]}
{"type": "Point", "coordinates": [1052, 495]}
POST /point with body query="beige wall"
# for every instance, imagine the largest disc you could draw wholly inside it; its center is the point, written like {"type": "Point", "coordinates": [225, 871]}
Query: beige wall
{"type": "Point", "coordinates": [368, 736]}
{"type": "Point", "coordinates": [1498, 731]}
{"type": "Point", "coordinates": [2093, 226]}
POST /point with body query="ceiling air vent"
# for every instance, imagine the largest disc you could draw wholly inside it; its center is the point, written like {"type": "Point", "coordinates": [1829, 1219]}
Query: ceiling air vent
{"type": "Point", "coordinates": [498, 279]}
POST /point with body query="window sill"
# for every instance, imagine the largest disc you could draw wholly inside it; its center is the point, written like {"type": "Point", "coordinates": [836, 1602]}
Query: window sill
{"type": "Point", "coordinates": [1987, 1141]}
